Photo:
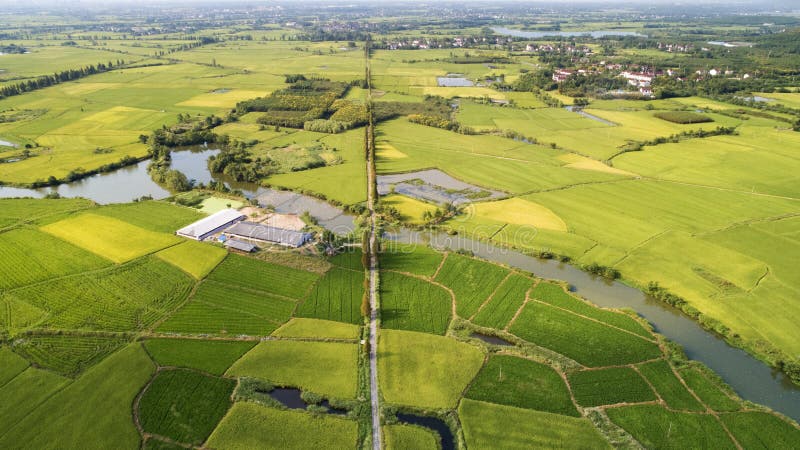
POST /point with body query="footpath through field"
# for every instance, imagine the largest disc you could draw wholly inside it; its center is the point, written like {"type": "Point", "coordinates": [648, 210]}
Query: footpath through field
{"type": "Point", "coordinates": [373, 264]}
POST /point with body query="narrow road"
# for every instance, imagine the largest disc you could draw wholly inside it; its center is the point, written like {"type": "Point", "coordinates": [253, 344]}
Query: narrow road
{"type": "Point", "coordinates": [373, 264]}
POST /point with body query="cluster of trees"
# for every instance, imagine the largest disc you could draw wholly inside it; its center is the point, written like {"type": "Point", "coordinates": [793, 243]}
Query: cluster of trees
{"type": "Point", "coordinates": [60, 77]}
{"type": "Point", "coordinates": [675, 138]}
{"type": "Point", "coordinates": [581, 85]}
{"type": "Point", "coordinates": [530, 81]}
{"type": "Point", "coordinates": [240, 164]}
{"type": "Point", "coordinates": [11, 49]}
{"type": "Point", "coordinates": [304, 100]}
{"type": "Point", "coordinates": [160, 171]}
{"type": "Point", "coordinates": [186, 132]}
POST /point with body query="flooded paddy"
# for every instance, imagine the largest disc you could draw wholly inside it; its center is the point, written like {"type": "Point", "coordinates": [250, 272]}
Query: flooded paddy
{"type": "Point", "coordinates": [434, 186]}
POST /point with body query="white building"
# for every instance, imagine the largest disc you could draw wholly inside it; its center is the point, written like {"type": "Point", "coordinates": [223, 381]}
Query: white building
{"type": "Point", "coordinates": [210, 225]}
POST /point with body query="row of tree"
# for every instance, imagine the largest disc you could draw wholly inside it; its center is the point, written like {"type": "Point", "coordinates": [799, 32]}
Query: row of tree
{"type": "Point", "coordinates": [60, 77]}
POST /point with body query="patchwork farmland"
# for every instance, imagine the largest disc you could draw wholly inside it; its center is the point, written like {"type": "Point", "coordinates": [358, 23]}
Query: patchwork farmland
{"type": "Point", "coordinates": [393, 227]}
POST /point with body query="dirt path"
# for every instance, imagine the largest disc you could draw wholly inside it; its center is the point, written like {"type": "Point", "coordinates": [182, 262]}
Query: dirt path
{"type": "Point", "coordinates": [373, 267]}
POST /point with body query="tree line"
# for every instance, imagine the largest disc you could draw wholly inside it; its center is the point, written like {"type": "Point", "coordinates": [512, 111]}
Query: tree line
{"type": "Point", "coordinates": [59, 77]}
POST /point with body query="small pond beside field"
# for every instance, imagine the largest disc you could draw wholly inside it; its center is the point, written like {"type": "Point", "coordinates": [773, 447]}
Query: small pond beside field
{"type": "Point", "coordinates": [433, 423]}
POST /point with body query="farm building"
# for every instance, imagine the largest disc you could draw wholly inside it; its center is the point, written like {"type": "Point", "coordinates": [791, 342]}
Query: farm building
{"type": "Point", "coordinates": [214, 223]}
{"type": "Point", "coordinates": [237, 245]}
{"type": "Point", "coordinates": [264, 233]}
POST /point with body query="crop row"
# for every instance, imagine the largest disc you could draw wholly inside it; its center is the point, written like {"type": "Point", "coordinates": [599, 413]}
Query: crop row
{"type": "Point", "coordinates": [412, 304]}
{"type": "Point", "coordinates": [337, 296]}
{"type": "Point", "coordinates": [471, 280]}
{"type": "Point", "coordinates": [253, 274]}
{"type": "Point", "coordinates": [124, 298]}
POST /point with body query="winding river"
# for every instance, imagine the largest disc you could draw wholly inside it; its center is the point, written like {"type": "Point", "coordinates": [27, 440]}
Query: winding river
{"type": "Point", "coordinates": [749, 377]}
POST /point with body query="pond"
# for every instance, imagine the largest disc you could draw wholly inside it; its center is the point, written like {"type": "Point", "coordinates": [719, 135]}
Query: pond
{"type": "Point", "coordinates": [454, 82]}
{"type": "Point", "coordinates": [292, 398]}
{"type": "Point", "coordinates": [7, 144]}
{"type": "Point", "coordinates": [132, 182]}
{"type": "Point", "coordinates": [750, 378]}
{"type": "Point", "coordinates": [494, 340]}
{"type": "Point", "coordinates": [589, 116]}
{"type": "Point", "coordinates": [433, 423]}
{"type": "Point", "coordinates": [541, 34]}
{"type": "Point", "coordinates": [434, 186]}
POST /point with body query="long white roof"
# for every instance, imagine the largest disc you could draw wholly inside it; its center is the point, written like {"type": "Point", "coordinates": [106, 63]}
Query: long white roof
{"type": "Point", "coordinates": [210, 223]}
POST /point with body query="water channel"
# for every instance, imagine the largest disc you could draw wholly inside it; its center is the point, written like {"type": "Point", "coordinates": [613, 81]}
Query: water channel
{"type": "Point", "coordinates": [540, 34]}
{"type": "Point", "coordinates": [132, 182]}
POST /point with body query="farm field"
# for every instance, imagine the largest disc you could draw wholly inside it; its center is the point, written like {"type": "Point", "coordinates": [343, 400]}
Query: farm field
{"type": "Point", "coordinates": [496, 426]}
{"type": "Point", "coordinates": [193, 257]}
{"type": "Point", "coordinates": [336, 296]}
{"type": "Point", "coordinates": [110, 238]}
{"type": "Point", "coordinates": [405, 357]}
{"type": "Point", "coordinates": [399, 437]}
{"type": "Point", "coordinates": [316, 328]}
{"type": "Point", "coordinates": [415, 305]}
{"type": "Point", "coordinates": [25, 265]}
{"type": "Point", "coordinates": [249, 425]}
{"type": "Point", "coordinates": [251, 274]}
{"type": "Point", "coordinates": [416, 259]}
{"type": "Point", "coordinates": [325, 368]}
{"type": "Point", "coordinates": [656, 427]}
{"type": "Point", "coordinates": [504, 302]}
{"type": "Point", "coordinates": [95, 408]}
{"type": "Point", "coordinates": [214, 357]}
{"type": "Point", "coordinates": [121, 298]}
{"type": "Point", "coordinates": [184, 405]}
{"type": "Point", "coordinates": [609, 387]}
{"type": "Point", "coordinates": [590, 343]}
{"type": "Point", "coordinates": [216, 308]}
{"type": "Point", "coordinates": [472, 281]}
{"type": "Point", "coordinates": [522, 383]}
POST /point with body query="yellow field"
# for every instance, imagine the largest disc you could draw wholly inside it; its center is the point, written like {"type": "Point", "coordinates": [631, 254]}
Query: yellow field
{"type": "Point", "coordinates": [388, 151]}
{"type": "Point", "coordinates": [411, 209]}
{"type": "Point", "coordinates": [110, 238]}
{"type": "Point", "coordinates": [222, 99]}
{"type": "Point", "coordinates": [195, 258]}
{"type": "Point", "coordinates": [517, 211]}
{"type": "Point", "coordinates": [583, 163]}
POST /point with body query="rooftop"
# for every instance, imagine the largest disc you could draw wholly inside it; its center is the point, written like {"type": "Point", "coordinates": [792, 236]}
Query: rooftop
{"type": "Point", "coordinates": [266, 233]}
{"type": "Point", "coordinates": [204, 226]}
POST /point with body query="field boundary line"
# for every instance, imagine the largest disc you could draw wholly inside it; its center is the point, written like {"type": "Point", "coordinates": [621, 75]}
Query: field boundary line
{"type": "Point", "coordinates": [433, 282]}
{"type": "Point", "coordinates": [441, 264]}
{"type": "Point", "coordinates": [510, 323]}
{"type": "Point", "coordinates": [654, 341]}
{"type": "Point", "coordinates": [497, 232]}
{"type": "Point", "coordinates": [719, 188]}
{"type": "Point", "coordinates": [640, 245]}
{"type": "Point", "coordinates": [655, 391]}
{"type": "Point", "coordinates": [491, 295]}
{"type": "Point", "coordinates": [185, 302]}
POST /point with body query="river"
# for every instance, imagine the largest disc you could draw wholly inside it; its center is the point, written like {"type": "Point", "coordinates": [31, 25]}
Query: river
{"type": "Point", "coordinates": [132, 182]}
{"type": "Point", "coordinates": [750, 378]}
{"type": "Point", "coordinates": [540, 34]}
